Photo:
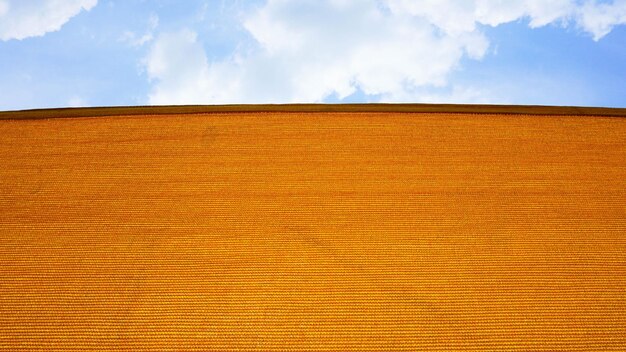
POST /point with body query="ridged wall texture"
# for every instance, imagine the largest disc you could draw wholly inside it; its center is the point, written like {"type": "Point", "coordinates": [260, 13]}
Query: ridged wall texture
{"type": "Point", "coordinates": [313, 230]}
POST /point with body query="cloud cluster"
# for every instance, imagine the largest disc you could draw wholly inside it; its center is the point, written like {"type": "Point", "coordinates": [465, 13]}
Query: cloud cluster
{"type": "Point", "coordinates": [20, 19]}
{"type": "Point", "coordinates": [453, 16]}
{"type": "Point", "coordinates": [312, 50]}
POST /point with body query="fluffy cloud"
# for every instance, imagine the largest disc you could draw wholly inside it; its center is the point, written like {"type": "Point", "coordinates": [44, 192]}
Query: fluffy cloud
{"type": "Point", "coordinates": [592, 16]}
{"type": "Point", "coordinates": [180, 65]}
{"type": "Point", "coordinates": [20, 19]}
{"type": "Point", "coordinates": [600, 18]}
{"type": "Point", "coordinates": [310, 50]}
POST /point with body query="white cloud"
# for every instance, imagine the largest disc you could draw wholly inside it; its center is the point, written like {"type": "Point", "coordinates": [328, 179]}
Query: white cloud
{"type": "Point", "coordinates": [179, 63]}
{"type": "Point", "coordinates": [20, 19]}
{"type": "Point", "coordinates": [4, 7]}
{"type": "Point", "coordinates": [309, 50]}
{"type": "Point", "coordinates": [136, 40]}
{"type": "Point", "coordinates": [600, 18]}
{"type": "Point", "coordinates": [76, 101]}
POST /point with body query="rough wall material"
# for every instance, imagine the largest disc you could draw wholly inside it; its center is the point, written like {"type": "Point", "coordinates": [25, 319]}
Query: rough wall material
{"type": "Point", "coordinates": [293, 230]}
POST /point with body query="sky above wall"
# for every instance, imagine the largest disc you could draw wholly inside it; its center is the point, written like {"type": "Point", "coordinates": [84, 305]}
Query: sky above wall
{"type": "Point", "coordinates": [60, 53]}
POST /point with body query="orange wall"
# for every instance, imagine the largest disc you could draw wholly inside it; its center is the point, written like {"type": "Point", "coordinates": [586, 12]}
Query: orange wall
{"type": "Point", "coordinates": [313, 231]}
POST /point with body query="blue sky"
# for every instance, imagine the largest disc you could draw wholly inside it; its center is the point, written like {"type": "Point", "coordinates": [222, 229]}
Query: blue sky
{"type": "Point", "coordinates": [154, 52]}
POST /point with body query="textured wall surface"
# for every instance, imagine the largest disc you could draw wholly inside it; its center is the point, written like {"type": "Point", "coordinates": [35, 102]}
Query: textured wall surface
{"type": "Point", "coordinates": [313, 231]}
